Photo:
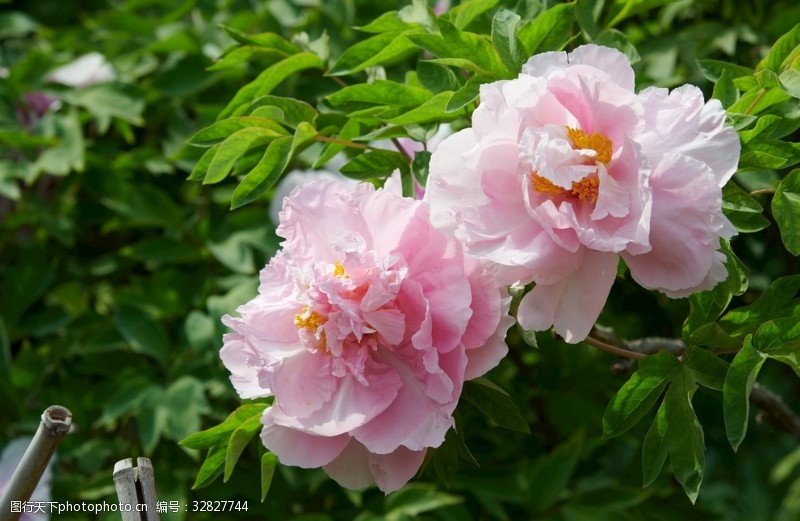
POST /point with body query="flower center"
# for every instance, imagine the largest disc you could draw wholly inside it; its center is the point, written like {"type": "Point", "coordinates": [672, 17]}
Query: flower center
{"type": "Point", "coordinates": [587, 188]}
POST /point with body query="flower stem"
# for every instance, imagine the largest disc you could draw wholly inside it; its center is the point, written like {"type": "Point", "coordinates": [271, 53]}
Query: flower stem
{"type": "Point", "coordinates": [613, 349]}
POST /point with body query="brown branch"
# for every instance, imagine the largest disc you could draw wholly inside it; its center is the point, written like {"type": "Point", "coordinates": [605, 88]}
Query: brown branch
{"type": "Point", "coordinates": [774, 411]}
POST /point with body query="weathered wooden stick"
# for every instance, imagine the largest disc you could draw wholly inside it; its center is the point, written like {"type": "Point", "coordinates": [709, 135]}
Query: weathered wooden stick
{"type": "Point", "coordinates": [136, 488]}
{"type": "Point", "coordinates": [55, 424]}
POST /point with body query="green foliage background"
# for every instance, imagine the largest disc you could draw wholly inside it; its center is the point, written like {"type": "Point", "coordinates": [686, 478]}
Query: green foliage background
{"type": "Point", "coordinates": [114, 270]}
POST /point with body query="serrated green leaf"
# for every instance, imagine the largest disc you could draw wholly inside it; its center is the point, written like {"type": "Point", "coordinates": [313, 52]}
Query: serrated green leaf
{"type": "Point", "coordinates": [549, 31]}
{"type": "Point", "coordinates": [233, 148]}
{"type": "Point", "coordinates": [238, 441]}
{"type": "Point", "coordinates": [639, 393]}
{"type": "Point", "coordinates": [655, 447]}
{"type": "Point", "coordinates": [211, 468]}
{"type": "Point", "coordinates": [495, 403]}
{"type": "Point", "coordinates": [744, 212]}
{"type": "Point", "coordinates": [453, 43]}
{"type": "Point", "coordinates": [504, 38]}
{"type": "Point", "coordinates": [267, 172]}
{"type": "Point", "coordinates": [219, 434]}
{"type": "Point", "coordinates": [382, 92]}
{"type": "Point", "coordinates": [268, 463]}
{"type": "Point", "coordinates": [706, 368]}
{"type": "Point", "coordinates": [374, 164]}
{"type": "Point", "coordinates": [712, 335]}
{"type": "Point", "coordinates": [736, 391]}
{"type": "Point", "coordinates": [269, 79]}
{"type": "Point", "coordinates": [786, 210]}
{"type": "Point", "coordinates": [552, 473]}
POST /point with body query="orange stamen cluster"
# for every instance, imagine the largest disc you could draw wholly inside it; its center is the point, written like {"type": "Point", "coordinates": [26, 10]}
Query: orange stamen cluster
{"type": "Point", "coordinates": [312, 322]}
{"type": "Point", "coordinates": [587, 188]}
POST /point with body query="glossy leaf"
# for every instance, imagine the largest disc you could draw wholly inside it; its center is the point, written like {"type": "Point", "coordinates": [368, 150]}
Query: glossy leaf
{"type": "Point", "coordinates": [736, 391]}
{"type": "Point", "coordinates": [786, 209]}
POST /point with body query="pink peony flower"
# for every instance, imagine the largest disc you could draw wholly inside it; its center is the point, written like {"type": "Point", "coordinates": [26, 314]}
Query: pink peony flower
{"type": "Point", "coordinates": [566, 169]}
{"type": "Point", "coordinates": [365, 327]}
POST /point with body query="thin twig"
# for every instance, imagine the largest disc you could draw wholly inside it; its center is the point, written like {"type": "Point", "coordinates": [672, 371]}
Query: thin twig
{"type": "Point", "coordinates": [351, 144]}
{"type": "Point", "coordinates": [401, 149]}
{"type": "Point", "coordinates": [763, 191]}
{"type": "Point", "coordinates": [613, 349]}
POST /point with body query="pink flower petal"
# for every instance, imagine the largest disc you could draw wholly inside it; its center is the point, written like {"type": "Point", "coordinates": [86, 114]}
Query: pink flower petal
{"type": "Point", "coordinates": [294, 447]}
{"type": "Point", "coordinates": [572, 305]}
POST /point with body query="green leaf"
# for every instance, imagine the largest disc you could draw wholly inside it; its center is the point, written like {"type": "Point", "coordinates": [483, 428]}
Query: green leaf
{"type": "Point", "coordinates": [186, 403]}
{"type": "Point", "coordinates": [504, 38]}
{"type": "Point", "coordinates": [712, 335]}
{"type": "Point", "coordinates": [267, 40]}
{"type": "Point", "coordinates": [552, 473]}
{"type": "Point", "coordinates": [109, 100]}
{"type": "Point", "coordinates": [142, 333]}
{"type": "Point", "coordinates": [14, 24]}
{"type": "Point", "coordinates": [725, 90]}
{"type": "Point", "coordinates": [742, 209]}
{"type": "Point", "coordinates": [639, 393]}
{"type": "Point", "coordinates": [268, 463]}
{"type": "Point", "coordinates": [777, 301]}
{"type": "Point", "coordinates": [432, 110]}
{"type": "Point", "coordinates": [789, 81]}
{"type": "Point", "coordinates": [68, 154]}
{"type": "Point", "coordinates": [780, 50]}
{"type": "Point", "coordinates": [736, 391]}
{"type": "Point", "coordinates": [374, 164]}
{"type": "Point", "coordinates": [714, 69]}
{"type": "Point", "coordinates": [469, 92]}
{"type": "Point", "coordinates": [464, 13]}
{"type": "Point", "coordinates": [415, 499]}
{"type": "Point", "coordinates": [549, 31]}
{"type": "Point", "coordinates": [437, 78]}
{"type": "Point", "coordinates": [375, 50]}
{"type": "Point", "coordinates": [456, 44]}
{"type": "Point", "coordinates": [267, 172]}
{"type": "Point", "coordinates": [780, 339]}
{"type": "Point", "coordinates": [786, 210]}
{"type": "Point", "coordinates": [221, 130]}
{"type": "Point", "coordinates": [219, 434]}
{"type": "Point", "coordinates": [685, 435]}
{"type": "Point", "coordinates": [239, 439]}
{"type": "Point", "coordinates": [495, 403]}
{"type": "Point", "coordinates": [758, 99]}
{"type": "Point", "coordinates": [247, 54]}
{"type": "Point", "coordinates": [233, 148]}
{"type": "Point", "coordinates": [705, 307]}
{"type": "Point", "coordinates": [201, 167]}
{"type": "Point", "coordinates": [706, 368]}
{"type": "Point", "coordinates": [617, 40]}
{"type": "Point", "coordinates": [382, 92]}
{"type": "Point", "coordinates": [152, 418]}
{"type": "Point", "coordinates": [271, 78]}
{"type": "Point", "coordinates": [655, 447]}
{"type": "Point", "coordinates": [292, 111]}
{"type": "Point", "coordinates": [211, 467]}
{"type": "Point", "coordinates": [421, 166]}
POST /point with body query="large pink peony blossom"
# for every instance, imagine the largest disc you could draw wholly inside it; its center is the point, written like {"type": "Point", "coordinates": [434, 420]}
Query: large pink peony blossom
{"type": "Point", "coordinates": [566, 169]}
{"type": "Point", "coordinates": [365, 327]}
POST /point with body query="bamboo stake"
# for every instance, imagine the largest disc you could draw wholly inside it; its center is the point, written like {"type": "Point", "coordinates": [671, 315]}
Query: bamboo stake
{"type": "Point", "coordinates": [55, 424]}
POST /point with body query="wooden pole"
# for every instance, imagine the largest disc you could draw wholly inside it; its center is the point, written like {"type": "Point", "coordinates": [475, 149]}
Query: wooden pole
{"type": "Point", "coordinates": [55, 424]}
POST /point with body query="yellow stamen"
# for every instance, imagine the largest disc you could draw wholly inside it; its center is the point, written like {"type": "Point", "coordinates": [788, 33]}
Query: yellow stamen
{"type": "Point", "coordinates": [586, 188]}
{"type": "Point", "coordinates": [546, 186]}
{"type": "Point", "coordinates": [594, 141]}
{"type": "Point", "coordinates": [313, 320]}
{"type": "Point", "coordinates": [338, 270]}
